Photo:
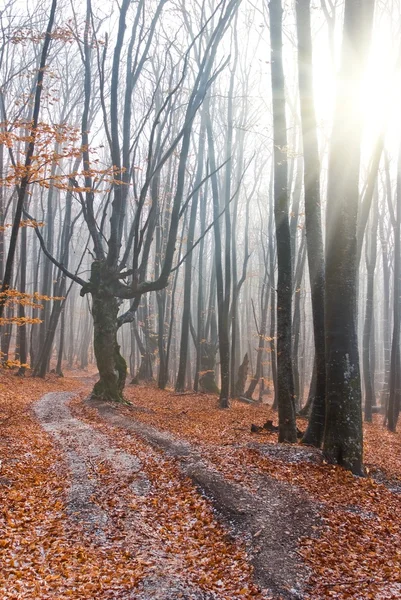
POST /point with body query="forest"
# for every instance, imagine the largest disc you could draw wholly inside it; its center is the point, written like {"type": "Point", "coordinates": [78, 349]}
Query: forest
{"type": "Point", "coordinates": [200, 303]}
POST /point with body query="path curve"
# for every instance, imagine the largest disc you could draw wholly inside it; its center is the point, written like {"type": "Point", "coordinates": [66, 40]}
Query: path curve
{"type": "Point", "coordinates": [270, 520]}
{"type": "Point", "coordinates": [82, 446]}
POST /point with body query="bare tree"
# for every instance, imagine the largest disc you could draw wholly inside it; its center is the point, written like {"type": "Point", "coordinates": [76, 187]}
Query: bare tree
{"type": "Point", "coordinates": [343, 432]}
{"type": "Point", "coordinates": [285, 380]}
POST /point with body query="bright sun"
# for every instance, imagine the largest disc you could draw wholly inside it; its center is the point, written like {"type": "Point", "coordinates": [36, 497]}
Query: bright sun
{"type": "Point", "coordinates": [381, 93]}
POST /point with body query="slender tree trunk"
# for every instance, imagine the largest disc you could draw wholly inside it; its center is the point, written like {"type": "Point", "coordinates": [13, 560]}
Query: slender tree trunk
{"type": "Point", "coordinates": [386, 317]}
{"type": "Point", "coordinates": [22, 332]}
{"type": "Point", "coordinates": [184, 347]}
{"type": "Point", "coordinates": [306, 410]}
{"type": "Point", "coordinates": [84, 335]}
{"type": "Point", "coordinates": [224, 343]}
{"type": "Point", "coordinates": [272, 281]}
{"type": "Point", "coordinates": [313, 224]}
{"type": "Point", "coordinates": [35, 253]}
{"type": "Point", "coordinates": [299, 272]}
{"type": "Point", "coordinates": [237, 285]}
{"type": "Point", "coordinates": [1, 208]}
{"type": "Point", "coordinates": [368, 330]}
{"type": "Point", "coordinates": [47, 276]}
{"type": "Point", "coordinates": [60, 353]}
{"type": "Point", "coordinates": [395, 367]}
{"type": "Point", "coordinates": [261, 342]}
{"type": "Point", "coordinates": [201, 309]}
{"type": "Point", "coordinates": [285, 381]}
{"type": "Point", "coordinates": [146, 347]}
{"type": "Point", "coordinates": [71, 322]}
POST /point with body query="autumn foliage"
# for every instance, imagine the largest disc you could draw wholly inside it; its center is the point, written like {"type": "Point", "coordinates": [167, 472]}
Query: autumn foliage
{"type": "Point", "coordinates": [352, 552]}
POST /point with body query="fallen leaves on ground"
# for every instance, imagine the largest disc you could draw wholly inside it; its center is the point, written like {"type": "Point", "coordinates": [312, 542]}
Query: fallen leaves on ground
{"type": "Point", "coordinates": [177, 520]}
{"type": "Point", "coordinates": [43, 553]}
{"type": "Point", "coordinates": [47, 554]}
{"type": "Point", "coordinates": [357, 551]}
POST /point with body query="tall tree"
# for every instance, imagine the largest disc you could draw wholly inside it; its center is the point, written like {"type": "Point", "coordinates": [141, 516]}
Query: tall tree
{"type": "Point", "coordinates": [369, 323]}
{"type": "Point", "coordinates": [343, 439]}
{"type": "Point", "coordinates": [112, 252]}
{"type": "Point", "coordinates": [180, 383]}
{"type": "Point", "coordinates": [313, 219]}
{"type": "Point", "coordinates": [23, 184]}
{"type": "Point", "coordinates": [222, 306]}
{"type": "Point", "coordinates": [285, 380]}
{"type": "Point", "coordinates": [394, 398]}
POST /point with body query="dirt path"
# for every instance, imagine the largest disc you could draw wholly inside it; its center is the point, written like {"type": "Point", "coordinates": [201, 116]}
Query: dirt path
{"type": "Point", "coordinates": [82, 445]}
{"type": "Point", "coordinates": [269, 519]}
{"type": "Point", "coordinates": [85, 449]}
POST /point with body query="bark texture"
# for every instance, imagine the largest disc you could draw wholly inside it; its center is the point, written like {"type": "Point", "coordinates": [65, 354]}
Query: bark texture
{"type": "Point", "coordinates": [112, 366]}
{"type": "Point", "coordinates": [343, 441]}
{"type": "Point", "coordinates": [285, 380]}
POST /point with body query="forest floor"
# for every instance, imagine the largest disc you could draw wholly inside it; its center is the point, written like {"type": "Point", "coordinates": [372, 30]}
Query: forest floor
{"type": "Point", "coordinates": [172, 498]}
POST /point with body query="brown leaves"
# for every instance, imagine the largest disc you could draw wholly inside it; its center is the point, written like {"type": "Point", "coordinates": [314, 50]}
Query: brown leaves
{"type": "Point", "coordinates": [168, 533]}
{"type": "Point", "coordinates": [43, 554]}
{"type": "Point", "coordinates": [356, 553]}
{"type": "Point", "coordinates": [186, 540]}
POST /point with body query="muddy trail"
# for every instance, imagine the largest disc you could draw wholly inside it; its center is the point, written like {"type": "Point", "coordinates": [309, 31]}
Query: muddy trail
{"type": "Point", "coordinates": [105, 450]}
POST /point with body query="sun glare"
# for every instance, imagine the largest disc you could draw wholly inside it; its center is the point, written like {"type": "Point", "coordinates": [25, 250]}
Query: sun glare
{"type": "Point", "coordinates": [381, 91]}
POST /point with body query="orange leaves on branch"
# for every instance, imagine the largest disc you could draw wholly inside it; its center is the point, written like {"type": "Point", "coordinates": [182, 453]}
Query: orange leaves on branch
{"type": "Point", "coordinates": [54, 144]}
{"type": "Point", "coordinates": [34, 301]}
{"type": "Point", "coordinates": [20, 321]}
{"type": "Point", "coordinates": [25, 35]}
{"type": "Point", "coordinates": [26, 223]}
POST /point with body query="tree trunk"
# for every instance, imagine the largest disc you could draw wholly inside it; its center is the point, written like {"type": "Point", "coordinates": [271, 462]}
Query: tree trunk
{"type": "Point", "coordinates": [386, 316]}
{"type": "Point", "coordinates": [222, 307]}
{"type": "Point", "coordinates": [285, 381]}
{"type": "Point", "coordinates": [343, 439]}
{"type": "Point", "coordinates": [200, 301]}
{"type": "Point", "coordinates": [242, 377]}
{"type": "Point", "coordinates": [184, 344]}
{"type": "Point", "coordinates": [395, 367]}
{"type": "Point", "coordinates": [313, 224]}
{"type": "Point", "coordinates": [60, 351]}
{"type": "Point", "coordinates": [272, 280]}
{"type": "Point", "coordinates": [112, 366]}
{"type": "Point", "coordinates": [296, 323]}
{"type": "Point", "coordinates": [261, 340]}
{"type": "Point", "coordinates": [2, 127]}
{"type": "Point", "coordinates": [22, 337]}
{"type": "Point", "coordinates": [207, 381]}
{"type": "Point", "coordinates": [368, 330]}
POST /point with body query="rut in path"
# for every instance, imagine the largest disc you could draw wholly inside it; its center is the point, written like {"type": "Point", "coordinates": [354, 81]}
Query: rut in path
{"type": "Point", "coordinates": [270, 520]}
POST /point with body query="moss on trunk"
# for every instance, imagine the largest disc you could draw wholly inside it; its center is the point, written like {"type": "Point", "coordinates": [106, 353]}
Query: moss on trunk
{"type": "Point", "coordinates": [207, 382]}
{"type": "Point", "coordinates": [112, 366]}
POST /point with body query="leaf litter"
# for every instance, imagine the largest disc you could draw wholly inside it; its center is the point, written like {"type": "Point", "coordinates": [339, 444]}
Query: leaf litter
{"type": "Point", "coordinates": [162, 539]}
